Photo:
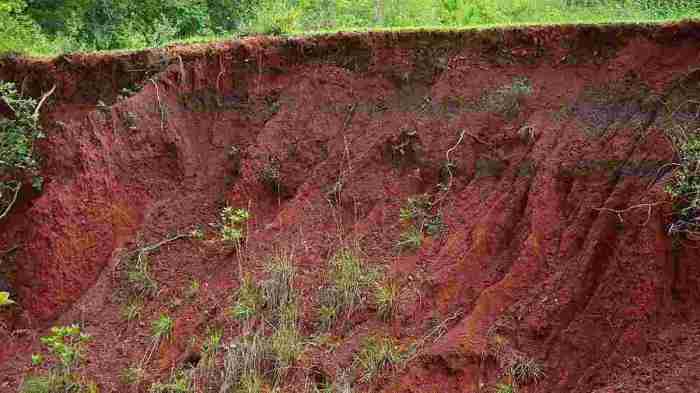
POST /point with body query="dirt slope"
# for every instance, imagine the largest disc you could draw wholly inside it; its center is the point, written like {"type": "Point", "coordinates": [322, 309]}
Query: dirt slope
{"type": "Point", "coordinates": [545, 129]}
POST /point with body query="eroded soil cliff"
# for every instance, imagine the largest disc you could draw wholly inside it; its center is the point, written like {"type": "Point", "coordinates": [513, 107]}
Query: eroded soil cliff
{"type": "Point", "coordinates": [542, 151]}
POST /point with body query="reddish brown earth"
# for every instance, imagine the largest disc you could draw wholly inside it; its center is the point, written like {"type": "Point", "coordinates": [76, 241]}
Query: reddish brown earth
{"type": "Point", "coordinates": [556, 123]}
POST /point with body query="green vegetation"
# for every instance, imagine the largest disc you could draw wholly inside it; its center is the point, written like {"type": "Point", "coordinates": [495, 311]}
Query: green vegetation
{"type": "Point", "coordinates": [249, 300]}
{"type": "Point", "coordinates": [18, 134]}
{"type": "Point", "coordinates": [162, 328]}
{"type": "Point", "coordinates": [685, 187]}
{"type": "Point", "coordinates": [179, 382]}
{"type": "Point", "coordinates": [348, 283]}
{"type": "Point", "coordinates": [66, 345]}
{"type": "Point", "coordinates": [42, 27]}
{"type": "Point", "coordinates": [376, 354]}
{"type": "Point", "coordinates": [5, 299]}
{"type": "Point", "coordinates": [417, 217]}
{"type": "Point", "coordinates": [386, 297]}
{"type": "Point", "coordinates": [233, 225]}
{"type": "Point", "coordinates": [505, 388]}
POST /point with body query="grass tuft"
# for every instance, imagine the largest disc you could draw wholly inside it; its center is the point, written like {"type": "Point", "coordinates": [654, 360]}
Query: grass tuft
{"type": "Point", "coordinates": [376, 354]}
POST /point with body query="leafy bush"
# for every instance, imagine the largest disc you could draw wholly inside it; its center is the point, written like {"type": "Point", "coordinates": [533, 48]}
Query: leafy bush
{"type": "Point", "coordinates": [66, 344]}
{"type": "Point", "coordinates": [685, 187]}
{"type": "Point", "coordinates": [18, 134]}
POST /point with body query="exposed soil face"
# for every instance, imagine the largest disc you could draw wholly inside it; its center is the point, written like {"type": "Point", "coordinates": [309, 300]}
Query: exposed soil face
{"type": "Point", "coordinates": [549, 133]}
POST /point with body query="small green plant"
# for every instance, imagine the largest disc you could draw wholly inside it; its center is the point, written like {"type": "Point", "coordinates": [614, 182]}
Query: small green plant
{"type": "Point", "coordinates": [278, 288]}
{"type": "Point", "coordinates": [210, 348]}
{"type": "Point", "coordinates": [233, 225]}
{"type": "Point", "coordinates": [271, 176]}
{"type": "Point", "coordinates": [505, 388]}
{"type": "Point", "coordinates": [133, 375]}
{"type": "Point", "coordinates": [132, 310]}
{"type": "Point", "coordinates": [249, 299]}
{"type": "Point", "coordinates": [138, 276]}
{"type": "Point", "coordinates": [417, 217]}
{"type": "Point", "coordinates": [162, 328]}
{"type": "Point", "coordinates": [411, 239]}
{"type": "Point", "coordinates": [286, 343]}
{"type": "Point", "coordinates": [179, 382]}
{"type": "Point", "coordinates": [349, 280]}
{"type": "Point", "coordinates": [192, 291]}
{"type": "Point", "coordinates": [37, 359]}
{"type": "Point", "coordinates": [5, 299]}
{"type": "Point", "coordinates": [376, 354]}
{"type": "Point", "coordinates": [386, 296]}
{"type": "Point", "coordinates": [66, 344]}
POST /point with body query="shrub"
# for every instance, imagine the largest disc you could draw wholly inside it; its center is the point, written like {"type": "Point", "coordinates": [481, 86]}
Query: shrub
{"type": "Point", "coordinates": [685, 187]}
{"type": "Point", "coordinates": [18, 135]}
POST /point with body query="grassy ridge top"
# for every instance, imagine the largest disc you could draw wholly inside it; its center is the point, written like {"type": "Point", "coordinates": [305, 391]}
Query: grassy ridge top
{"type": "Point", "coordinates": [49, 28]}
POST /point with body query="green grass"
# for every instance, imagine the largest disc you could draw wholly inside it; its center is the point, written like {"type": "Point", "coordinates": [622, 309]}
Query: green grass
{"type": "Point", "coordinates": [309, 17]}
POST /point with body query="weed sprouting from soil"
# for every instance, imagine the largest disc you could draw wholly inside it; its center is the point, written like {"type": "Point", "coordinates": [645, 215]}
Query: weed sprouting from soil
{"type": "Point", "coordinates": [271, 177]}
{"type": "Point", "coordinates": [386, 297]}
{"type": "Point", "coordinates": [66, 344]}
{"type": "Point", "coordinates": [377, 354]}
{"type": "Point", "coordinates": [249, 300]}
{"type": "Point", "coordinates": [348, 282]}
{"type": "Point", "coordinates": [505, 388]}
{"type": "Point", "coordinates": [243, 363]}
{"type": "Point", "coordinates": [417, 217]}
{"type": "Point", "coordinates": [179, 382]}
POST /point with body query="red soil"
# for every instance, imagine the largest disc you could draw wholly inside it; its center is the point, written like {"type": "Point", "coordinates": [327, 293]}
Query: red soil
{"type": "Point", "coordinates": [527, 263]}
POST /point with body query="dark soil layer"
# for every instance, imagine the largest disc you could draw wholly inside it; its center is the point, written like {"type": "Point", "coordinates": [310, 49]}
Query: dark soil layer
{"type": "Point", "coordinates": [543, 127]}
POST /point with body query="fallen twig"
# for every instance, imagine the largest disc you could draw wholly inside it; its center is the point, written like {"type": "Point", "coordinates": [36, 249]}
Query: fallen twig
{"type": "Point", "coordinates": [619, 212]}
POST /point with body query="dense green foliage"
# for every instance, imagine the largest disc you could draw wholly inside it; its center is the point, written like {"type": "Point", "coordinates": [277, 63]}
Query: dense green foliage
{"type": "Point", "coordinates": [49, 27]}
